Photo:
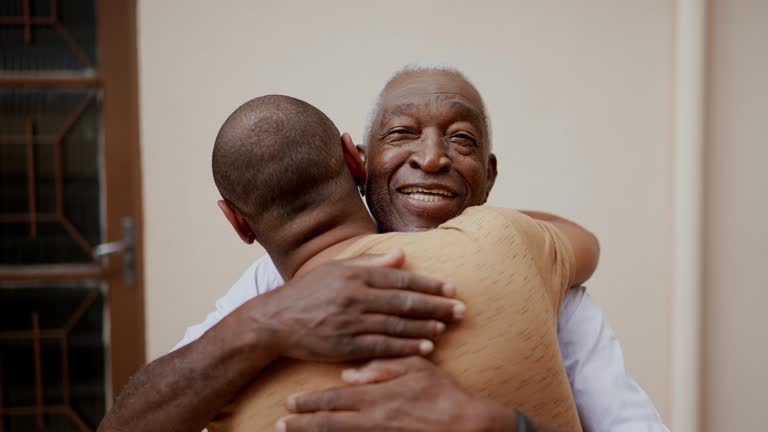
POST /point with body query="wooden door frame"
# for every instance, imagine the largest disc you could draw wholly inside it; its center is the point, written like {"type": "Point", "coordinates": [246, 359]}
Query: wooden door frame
{"type": "Point", "coordinates": [117, 77]}
{"type": "Point", "coordinates": [118, 66]}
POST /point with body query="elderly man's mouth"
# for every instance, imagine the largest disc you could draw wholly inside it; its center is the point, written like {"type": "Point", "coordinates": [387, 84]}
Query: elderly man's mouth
{"type": "Point", "coordinates": [428, 194]}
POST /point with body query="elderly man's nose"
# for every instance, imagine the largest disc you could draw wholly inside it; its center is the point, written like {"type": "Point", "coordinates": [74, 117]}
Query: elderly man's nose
{"type": "Point", "coordinates": [430, 156]}
{"type": "Point", "coordinates": [430, 160]}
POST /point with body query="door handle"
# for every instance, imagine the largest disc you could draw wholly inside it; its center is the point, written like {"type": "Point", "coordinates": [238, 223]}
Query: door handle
{"type": "Point", "coordinates": [126, 246]}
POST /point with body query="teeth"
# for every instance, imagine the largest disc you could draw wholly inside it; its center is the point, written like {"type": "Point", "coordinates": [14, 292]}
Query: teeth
{"type": "Point", "coordinates": [421, 191]}
{"type": "Point", "coordinates": [425, 197]}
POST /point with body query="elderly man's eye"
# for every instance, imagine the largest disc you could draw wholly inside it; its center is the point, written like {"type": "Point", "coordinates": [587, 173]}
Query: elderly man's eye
{"type": "Point", "coordinates": [399, 133]}
{"type": "Point", "coordinates": [463, 139]}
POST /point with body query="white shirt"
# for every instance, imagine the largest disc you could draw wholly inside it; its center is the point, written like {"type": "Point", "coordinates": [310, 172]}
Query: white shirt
{"type": "Point", "coordinates": [607, 397]}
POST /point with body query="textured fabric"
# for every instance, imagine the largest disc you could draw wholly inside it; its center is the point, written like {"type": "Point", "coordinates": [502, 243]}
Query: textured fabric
{"type": "Point", "coordinates": [607, 396]}
{"type": "Point", "coordinates": [512, 272]}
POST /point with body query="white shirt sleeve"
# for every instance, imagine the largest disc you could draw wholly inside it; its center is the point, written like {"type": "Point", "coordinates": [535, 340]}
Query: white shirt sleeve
{"type": "Point", "coordinates": [607, 397]}
{"type": "Point", "coordinates": [262, 276]}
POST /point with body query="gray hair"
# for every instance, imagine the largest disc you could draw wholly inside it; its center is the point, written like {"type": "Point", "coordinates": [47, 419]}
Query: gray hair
{"type": "Point", "coordinates": [375, 107]}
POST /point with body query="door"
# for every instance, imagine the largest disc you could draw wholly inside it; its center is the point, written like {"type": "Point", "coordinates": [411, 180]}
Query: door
{"type": "Point", "coordinates": [71, 319]}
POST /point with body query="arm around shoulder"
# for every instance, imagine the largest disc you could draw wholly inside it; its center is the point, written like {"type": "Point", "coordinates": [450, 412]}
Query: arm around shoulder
{"type": "Point", "coordinates": [584, 244]}
{"type": "Point", "coordinates": [183, 390]}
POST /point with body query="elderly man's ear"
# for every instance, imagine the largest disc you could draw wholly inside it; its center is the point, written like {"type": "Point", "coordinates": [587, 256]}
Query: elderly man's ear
{"type": "Point", "coordinates": [354, 156]}
{"type": "Point", "coordinates": [237, 221]}
{"type": "Point", "coordinates": [490, 174]}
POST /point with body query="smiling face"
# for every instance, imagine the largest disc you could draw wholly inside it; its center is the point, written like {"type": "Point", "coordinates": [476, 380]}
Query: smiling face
{"type": "Point", "coordinates": [428, 155]}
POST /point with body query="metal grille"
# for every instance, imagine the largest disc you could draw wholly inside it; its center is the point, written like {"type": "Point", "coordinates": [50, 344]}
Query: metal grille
{"type": "Point", "coordinates": [47, 35]}
{"type": "Point", "coordinates": [49, 179]}
{"type": "Point", "coordinates": [52, 349]}
{"type": "Point", "coordinates": [43, 331]}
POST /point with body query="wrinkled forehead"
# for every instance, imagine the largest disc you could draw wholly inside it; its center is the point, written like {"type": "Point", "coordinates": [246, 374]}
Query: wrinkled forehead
{"type": "Point", "coordinates": [432, 108]}
{"type": "Point", "coordinates": [431, 95]}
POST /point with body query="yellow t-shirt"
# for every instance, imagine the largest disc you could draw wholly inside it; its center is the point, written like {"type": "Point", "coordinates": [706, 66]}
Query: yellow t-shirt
{"type": "Point", "coordinates": [511, 271]}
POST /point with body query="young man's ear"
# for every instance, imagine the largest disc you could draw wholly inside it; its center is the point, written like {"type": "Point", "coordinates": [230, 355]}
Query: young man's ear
{"type": "Point", "coordinates": [354, 159]}
{"type": "Point", "coordinates": [237, 221]}
{"type": "Point", "coordinates": [490, 174]}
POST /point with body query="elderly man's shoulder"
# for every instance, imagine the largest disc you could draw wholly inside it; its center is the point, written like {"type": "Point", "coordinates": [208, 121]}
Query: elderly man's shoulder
{"type": "Point", "coordinates": [489, 218]}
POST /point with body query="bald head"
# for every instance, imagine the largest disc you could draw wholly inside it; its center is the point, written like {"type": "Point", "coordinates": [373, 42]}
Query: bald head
{"type": "Point", "coordinates": [275, 157]}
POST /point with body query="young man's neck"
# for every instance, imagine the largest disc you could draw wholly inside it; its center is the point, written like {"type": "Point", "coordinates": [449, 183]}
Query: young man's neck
{"type": "Point", "coordinates": [319, 236]}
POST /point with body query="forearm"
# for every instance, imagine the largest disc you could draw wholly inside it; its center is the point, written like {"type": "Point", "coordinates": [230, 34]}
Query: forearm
{"type": "Point", "coordinates": [183, 390]}
{"type": "Point", "coordinates": [307, 319]}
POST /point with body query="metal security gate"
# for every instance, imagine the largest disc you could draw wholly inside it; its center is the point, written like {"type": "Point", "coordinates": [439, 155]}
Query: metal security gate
{"type": "Point", "coordinates": [71, 320]}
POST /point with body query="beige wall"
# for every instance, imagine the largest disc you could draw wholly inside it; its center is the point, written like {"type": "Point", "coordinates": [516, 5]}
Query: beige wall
{"type": "Point", "coordinates": [736, 293]}
{"type": "Point", "coordinates": [580, 95]}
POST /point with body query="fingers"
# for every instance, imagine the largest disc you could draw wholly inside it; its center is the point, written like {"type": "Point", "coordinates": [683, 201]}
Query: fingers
{"type": "Point", "coordinates": [382, 370]}
{"type": "Point", "coordinates": [383, 273]}
{"type": "Point", "coordinates": [322, 422]}
{"type": "Point", "coordinates": [335, 399]}
{"type": "Point", "coordinates": [399, 327]}
{"type": "Point", "coordinates": [392, 259]}
{"type": "Point", "coordinates": [385, 278]}
{"type": "Point", "coordinates": [414, 305]}
{"type": "Point", "coordinates": [373, 346]}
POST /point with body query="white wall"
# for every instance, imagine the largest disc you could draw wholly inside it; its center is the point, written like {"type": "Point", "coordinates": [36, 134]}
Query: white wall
{"type": "Point", "coordinates": [580, 95]}
{"type": "Point", "coordinates": [736, 292]}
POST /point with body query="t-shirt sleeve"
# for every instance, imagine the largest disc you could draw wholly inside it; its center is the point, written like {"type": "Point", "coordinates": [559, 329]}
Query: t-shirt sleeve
{"type": "Point", "coordinates": [549, 248]}
{"type": "Point", "coordinates": [259, 278]}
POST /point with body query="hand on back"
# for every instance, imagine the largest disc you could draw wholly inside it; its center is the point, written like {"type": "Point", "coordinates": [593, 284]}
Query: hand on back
{"type": "Point", "coordinates": [408, 395]}
{"type": "Point", "coordinates": [354, 309]}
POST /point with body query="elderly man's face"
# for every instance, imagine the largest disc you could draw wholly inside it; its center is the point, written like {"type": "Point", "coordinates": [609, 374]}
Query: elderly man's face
{"type": "Point", "coordinates": [428, 157]}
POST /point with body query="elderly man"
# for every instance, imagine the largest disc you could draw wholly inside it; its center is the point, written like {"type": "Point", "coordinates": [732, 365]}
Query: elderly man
{"type": "Point", "coordinates": [184, 389]}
